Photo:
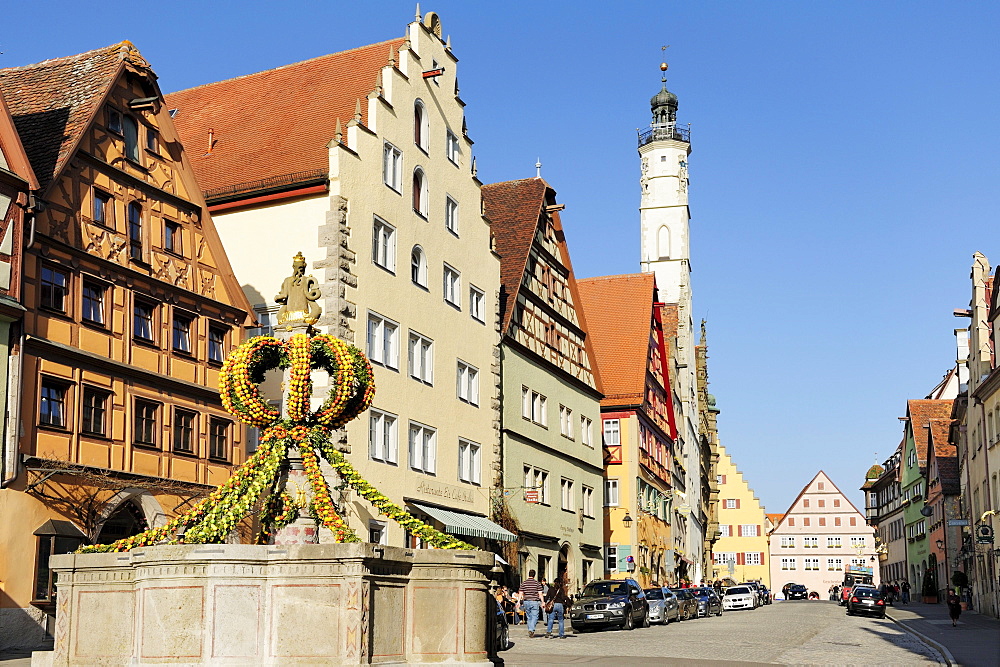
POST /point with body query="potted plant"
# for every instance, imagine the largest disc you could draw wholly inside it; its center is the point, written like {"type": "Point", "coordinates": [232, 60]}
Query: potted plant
{"type": "Point", "coordinates": [961, 581]}
{"type": "Point", "coordinates": [929, 589]}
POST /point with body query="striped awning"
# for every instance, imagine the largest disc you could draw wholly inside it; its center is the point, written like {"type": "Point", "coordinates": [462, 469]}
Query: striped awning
{"type": "Point", "coordinates": [466, 524]}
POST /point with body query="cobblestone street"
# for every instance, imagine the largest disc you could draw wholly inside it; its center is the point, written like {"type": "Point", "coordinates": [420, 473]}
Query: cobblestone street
{"type": "Point", "coordinates": [800, 633]}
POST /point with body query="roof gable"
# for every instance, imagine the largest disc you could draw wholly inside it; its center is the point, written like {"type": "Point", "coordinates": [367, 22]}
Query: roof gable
{"type": "Point", "coordinates": [618, 312]}
{"type": "Point", "coordinates": [820, 483]}
{"type": "Point", "coordinates": [277, 122]}
{"type": "Point", "coordinates": [54, 102]}
{"type": "Point", "coordinates": [942, 456]}
{"type": "Point", "coordinates": [13, 157]}
{"type": "Point", "coordinates": [920, 413]}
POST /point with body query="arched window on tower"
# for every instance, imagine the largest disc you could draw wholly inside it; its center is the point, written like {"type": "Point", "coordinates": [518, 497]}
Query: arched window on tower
{"type": "Point", "coordinates": [419, 192]}
{"type": "Point", "coordinates": [418, 267]}
{"type": "Point", "coordinates": [663, 242]}
{"type": "Point", "coordinates": [420, 130]}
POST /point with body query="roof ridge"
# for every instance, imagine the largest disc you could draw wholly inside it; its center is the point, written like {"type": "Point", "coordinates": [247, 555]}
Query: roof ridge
{"type": "Point", "coordinates": [617, 276]}
{"type": "Point", "coordinates": [128, 45]}
{"type": "Point", "coordinates": [281, 67]}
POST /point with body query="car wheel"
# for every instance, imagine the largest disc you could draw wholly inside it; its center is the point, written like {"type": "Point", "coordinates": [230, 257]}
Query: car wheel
{"type": "Point", "coordinates": [645, 620]}
{"type": "Point", "coordinates": [629, 622]}
{"type": "Point", "coordinates": [503, 639]}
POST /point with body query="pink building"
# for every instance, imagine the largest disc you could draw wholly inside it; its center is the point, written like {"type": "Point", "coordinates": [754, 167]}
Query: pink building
{"type": "Point", "coordinates": [818, 537]}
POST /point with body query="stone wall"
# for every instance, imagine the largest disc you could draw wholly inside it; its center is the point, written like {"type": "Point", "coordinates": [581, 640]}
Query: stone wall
{"type": "Point", "coordinates": [345, 604]}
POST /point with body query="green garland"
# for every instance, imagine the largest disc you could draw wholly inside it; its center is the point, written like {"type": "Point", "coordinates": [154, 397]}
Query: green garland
{"type": "Point", "coordinates": [215, 518]}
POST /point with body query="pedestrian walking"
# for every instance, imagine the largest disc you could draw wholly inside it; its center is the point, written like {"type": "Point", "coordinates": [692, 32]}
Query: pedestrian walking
{"type": "Point", "coordinates": [557, 601]}
{"type": "Point", "coordinates": [545, 590]}
{"type": "Point", "coordinates": [905, 588]}
{"type": "Point", "coordinates": [954, 607]}
{"type": "Point", "coordinates": [531, 600]}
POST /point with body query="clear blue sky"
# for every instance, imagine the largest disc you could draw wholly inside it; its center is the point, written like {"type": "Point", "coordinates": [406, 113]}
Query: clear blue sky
{"type": "Point", "coordinates": [844, 170]}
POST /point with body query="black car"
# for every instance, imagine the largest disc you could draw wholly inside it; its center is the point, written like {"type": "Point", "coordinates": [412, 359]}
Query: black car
{"type": "Point", "coordinates": [610, 602]}
{"type": "Point", "coordinates": [709, 602]}
{"type": "Point", "coordinates": [765, 595]}
{"type": "Point", "coordinates": [798, 592]}
{"type": "Point", "coordinates": [866, 601]}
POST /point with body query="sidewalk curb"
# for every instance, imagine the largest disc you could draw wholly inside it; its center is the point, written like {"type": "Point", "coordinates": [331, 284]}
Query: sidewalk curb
{"type": "Point", "coordinates": [941, 648]}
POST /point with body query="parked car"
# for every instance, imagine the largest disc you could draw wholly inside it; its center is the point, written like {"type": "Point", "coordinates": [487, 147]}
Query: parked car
{"type": "Point", "coordinates": [709, 602]}
{"type": "Point", "coordinates": [501, 632]}
{"type": "Point", "coordinates": [739, 597]}
{"type": "Point", "coordinates": [610, 602]}
{"type": "Point", "coordinates": [688, 603]}
{"type": "Point", "coordinates": [766, 594]}
{"type": "Point", "coordinates": [798, 592]}
{"type": "Point", "coordinates": [866, 600]}
{"type": "Point", "coordinates": [663, 605]}
{"type": "Point", "coordinates": [755, 587]}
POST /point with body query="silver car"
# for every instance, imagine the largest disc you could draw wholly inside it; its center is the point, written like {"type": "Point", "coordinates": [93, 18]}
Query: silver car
{"type": "Point", "coordinates": [663, 605]}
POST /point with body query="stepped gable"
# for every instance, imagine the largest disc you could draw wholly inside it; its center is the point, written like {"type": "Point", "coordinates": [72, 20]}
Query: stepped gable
{"type": "Point", "coordinates": [617, 310]}
{"type": "Point", "coordinates": [53, 102]}
{"type": "Point", "coordinates": [921, 412]}
{"type": "Point", "coordinates": [513, 208]}
{"type": "Point", "coordinates": [277, 122]}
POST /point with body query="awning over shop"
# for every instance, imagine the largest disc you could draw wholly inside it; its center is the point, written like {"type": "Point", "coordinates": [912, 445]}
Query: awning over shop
{"type": "Point", "coordinates": [466, 524]}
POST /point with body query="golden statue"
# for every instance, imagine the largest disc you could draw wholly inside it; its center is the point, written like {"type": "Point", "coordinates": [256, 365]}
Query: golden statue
{"type": "Point", "coordinates": [298, 296]}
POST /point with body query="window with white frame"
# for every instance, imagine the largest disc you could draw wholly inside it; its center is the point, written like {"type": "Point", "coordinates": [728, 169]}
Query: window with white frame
{"type": "Point", "coordinates": [533, 406]}
{"type": "Point", "coordinates": [421, 361]}
{"type": "Point", "coordinates": [729, 504]}
{"type": "Point", "coordinates": [536, 479]}
{"type": "Point", "coordinates": [451, 215]}
{"type": "Point", "coordinates": [418, 267]}
{"type": "Point", "coordinates": [469, 461]}
{"type": "Point", "coordinates": [420, 133]}
{"type": "Point", "coordinates": [383, 341]}
{"type": "Point", "coordinates": [725, 557]}
{"type": "Point", "coordinates": [468, 383]}
{"type": "Point", "coordinates": [384, 244]}
{"type": "Point", "coordinates": [588, 501]}
{"type": "Point", "coordinates": [382, 437]}
{"type": "Point", "coordinates": [392, 167]}
{"type": "Point", "coordinates": [587, 431]}
{"type": "Point", "coordinates": [787, 563]}
{"type": "Point", "coordinates": [566, 491]}
{"type": "Point", "coordinates": [378, 532]}
{"type": "Point", "coordinates": [812, 563]}
{"type": "Point", "coordinates": [810, 542]}
{"type": "Point", "coordinates": [477, 307]}
{"type": "Point", "coordinates": [833, 542]}
{"type": "Point", "coordinates": [724, 530]}
{"type": "Point", "coordinates": [566, 422]}
{"type": "Point", "coordinates": [748, 530]}
{"type": "Point", "coordinates": [611, 493]}
{"type": "Point", "coordinates": [420, 192]}
{"type": "Point", "coordinates": [751, 558]}
{"type": "Point", "coordinates": [834, 564]}
{"type": "Point", "coordinates": [859, 562]}
{"type": "Point", "coordinates": [611, 557]}
{"type": "Point", "coordinates": [452, 147]}
{"type": "Point", "coordinates": [787, 542]}
{"type": "Point", "coordinates": [612, 432]}
{"type": "Point", "coordinates": [452, 286]}
{"type": "Point", "coordinates": [423, 448]}
{"type": "Point", "coordinates": [857, 541]}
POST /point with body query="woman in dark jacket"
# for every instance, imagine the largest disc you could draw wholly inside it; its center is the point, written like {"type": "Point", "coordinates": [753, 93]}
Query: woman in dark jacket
{"type": "Point", "coordinates": [954, 607]}
{"type": "Point", "coordinates": [560, 602]}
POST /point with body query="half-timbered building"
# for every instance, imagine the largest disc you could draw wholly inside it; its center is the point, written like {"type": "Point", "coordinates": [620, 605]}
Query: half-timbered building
{"type": "Point", "coordinates": [552, 472]}
{"type": "Point", "coordinates": [131, 309]}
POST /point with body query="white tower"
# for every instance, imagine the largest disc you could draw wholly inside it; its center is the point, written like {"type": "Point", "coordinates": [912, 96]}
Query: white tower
{"type": "Point", "coordinates": [666, 251]}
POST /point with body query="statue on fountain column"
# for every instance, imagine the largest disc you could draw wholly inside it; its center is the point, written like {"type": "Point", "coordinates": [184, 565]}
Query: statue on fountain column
{"type": "Point", "coordinates": [298, 296]}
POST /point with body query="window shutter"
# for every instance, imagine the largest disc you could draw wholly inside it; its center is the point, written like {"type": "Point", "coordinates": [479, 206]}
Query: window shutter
{"type": "Point", "coordinates": [737, 503]}
{"type": "Point", "coordinates": [762, 558]}
{"type": "Point", "coordinates": [731, 533]}
{"type": "Point", "coordinates": [740, 558]}
{"type": "Point", "coordinates": [760, 531]}
{"type": "Point", "coordinates": [739, 528]}
{"type": "Point", "coordinates": [624, 551]}
{"type": "Point", "coordinates": [791, 521]}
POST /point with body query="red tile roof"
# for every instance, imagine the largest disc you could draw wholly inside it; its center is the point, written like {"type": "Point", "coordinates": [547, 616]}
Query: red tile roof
{"type": "Point", "coordinates": [618, 311]}
{"type": "Point", "coordinates": [53, 102]}
{"type": "Point", "coordinates": [921, 412]}
{"type": "Point", "coordinates": [513, 208]}
{"type": "Point", "coordinates": [945, 453]}
{"type": "Point", "coordinates": [276, 122]}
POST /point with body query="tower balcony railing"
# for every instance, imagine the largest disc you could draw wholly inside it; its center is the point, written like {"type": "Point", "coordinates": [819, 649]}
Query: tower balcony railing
{"type": "Point", "coordinates": [666, 132]}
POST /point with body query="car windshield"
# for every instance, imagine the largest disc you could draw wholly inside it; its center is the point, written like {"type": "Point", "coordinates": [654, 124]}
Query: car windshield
{"type": "Point", "coordinates": [654, 594]}
{"type": "Point", "coordinates": [738, 590]}
{"type": "Point", "coordinates": [599, 588]}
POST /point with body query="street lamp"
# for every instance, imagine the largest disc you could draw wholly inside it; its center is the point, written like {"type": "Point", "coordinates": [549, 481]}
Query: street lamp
{"type": "Point", "coordinates": [627, 520]}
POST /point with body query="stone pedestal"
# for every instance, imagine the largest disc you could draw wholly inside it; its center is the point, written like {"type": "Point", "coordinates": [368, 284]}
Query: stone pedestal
{"type": "Point", "coordinates": [330, 604]}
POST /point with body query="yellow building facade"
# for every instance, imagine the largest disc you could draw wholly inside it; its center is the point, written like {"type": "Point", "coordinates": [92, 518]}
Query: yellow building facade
{"type": "Point", "coordinates": [741, 552]}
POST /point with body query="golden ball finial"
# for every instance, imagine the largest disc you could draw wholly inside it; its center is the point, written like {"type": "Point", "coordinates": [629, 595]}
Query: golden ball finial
{"type": "Point", "coordinates": [663, 67]}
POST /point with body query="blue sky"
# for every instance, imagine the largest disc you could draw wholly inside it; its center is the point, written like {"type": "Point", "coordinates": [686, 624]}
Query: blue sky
{"type": "Point", "coordinates": [844, 170]}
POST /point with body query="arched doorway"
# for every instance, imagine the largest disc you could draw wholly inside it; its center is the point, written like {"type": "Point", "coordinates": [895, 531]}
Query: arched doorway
{"type": "Point", "coordinates": [564, 566]}
{"type": "Point", "coordinates": [125, 521]}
